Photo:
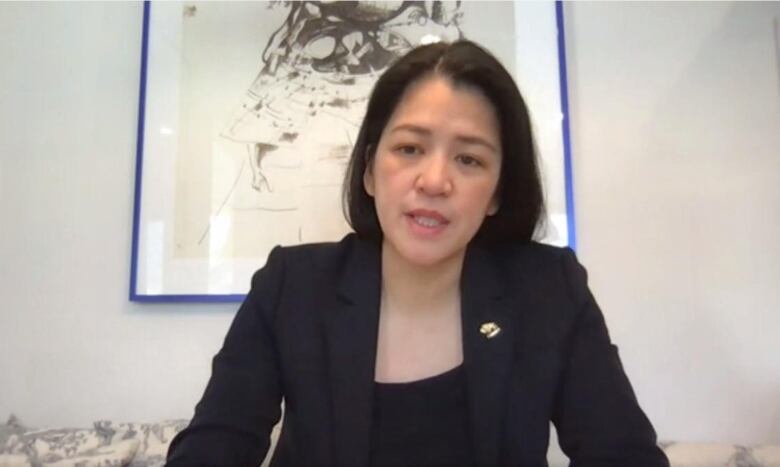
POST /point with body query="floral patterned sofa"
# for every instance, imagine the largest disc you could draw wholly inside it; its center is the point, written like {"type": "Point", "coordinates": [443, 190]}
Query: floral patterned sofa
{"type": "Point", "coordinates": [109, 443]}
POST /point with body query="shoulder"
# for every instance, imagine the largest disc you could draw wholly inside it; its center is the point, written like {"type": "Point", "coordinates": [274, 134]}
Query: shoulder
{"type": "Point", "coordinates": [296, 272]}
{"type": "Point", "coordinates": [533, 256]}
{"type": "Point", "coordinates": [538, 251]}
{"type": "Point", "coordinates": [316, 265]}
{"type": "Point", "coordinates": [547, 270]}
{"type": "Point", "coordinates": [324, 255]}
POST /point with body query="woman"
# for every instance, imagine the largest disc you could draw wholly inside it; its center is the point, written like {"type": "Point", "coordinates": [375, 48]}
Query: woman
{"type": "Point", "coordinates": [439, 333]}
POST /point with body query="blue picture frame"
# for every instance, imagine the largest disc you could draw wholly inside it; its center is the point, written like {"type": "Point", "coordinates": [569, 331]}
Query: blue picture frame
{"type": "Point", "coordinates": [137, 293]}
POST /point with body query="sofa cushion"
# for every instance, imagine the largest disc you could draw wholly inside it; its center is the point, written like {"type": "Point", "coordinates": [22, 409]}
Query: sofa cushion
{"type": "Point", "coordinates": [767, 456]}
{"type": "Point", "coordinates": [721, 455]}
{"type": "Point", "coordinates": [63, 447]}
{"type": "Point", "coordinates": [153, 438]}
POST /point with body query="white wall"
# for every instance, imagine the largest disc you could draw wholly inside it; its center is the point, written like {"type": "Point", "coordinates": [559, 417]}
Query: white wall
{"type": "Point", "coordinates": [72, 348]}
{"type": "Point", "coordinates": [676, 140]}
{"type": "Point", "coordinates": [675, 117]}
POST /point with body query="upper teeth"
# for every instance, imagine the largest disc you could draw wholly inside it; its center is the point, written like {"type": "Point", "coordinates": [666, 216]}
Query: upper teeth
{"type": "Point", "coordinates": [426, 221]}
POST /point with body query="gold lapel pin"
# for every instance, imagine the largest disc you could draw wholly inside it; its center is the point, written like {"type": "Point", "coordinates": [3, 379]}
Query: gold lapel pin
{"type": "Point", "coordinates": [489, 330]}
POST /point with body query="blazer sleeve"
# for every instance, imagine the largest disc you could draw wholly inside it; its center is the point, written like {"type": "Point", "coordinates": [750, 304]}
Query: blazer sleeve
{"type": "Point", "coordinates": [597, 416]}
{"type": "Point", "coordinates": [241, 403]}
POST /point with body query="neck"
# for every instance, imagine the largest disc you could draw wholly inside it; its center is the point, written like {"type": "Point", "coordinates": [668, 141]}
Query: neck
{"type": "Point", "coordinates": [416, 288]}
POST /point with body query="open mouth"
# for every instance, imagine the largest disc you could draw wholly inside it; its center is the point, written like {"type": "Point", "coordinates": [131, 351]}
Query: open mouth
{"type": "Point", "coordinates": [424, 221]}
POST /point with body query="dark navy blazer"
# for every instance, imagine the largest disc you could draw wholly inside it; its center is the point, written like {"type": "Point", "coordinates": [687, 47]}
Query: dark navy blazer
{"type": "Point", "coordinates": [307, 334]}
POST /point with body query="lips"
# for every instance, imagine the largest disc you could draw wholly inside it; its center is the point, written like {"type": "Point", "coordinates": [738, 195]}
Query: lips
{"type": "Point", "coordinates": [428, 219]}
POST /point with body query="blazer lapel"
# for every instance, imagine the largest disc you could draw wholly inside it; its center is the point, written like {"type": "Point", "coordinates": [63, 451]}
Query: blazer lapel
{"type": "Point", "coordinates": [487, 355]}
{"type": "Point", "coordinates": [351, 336]}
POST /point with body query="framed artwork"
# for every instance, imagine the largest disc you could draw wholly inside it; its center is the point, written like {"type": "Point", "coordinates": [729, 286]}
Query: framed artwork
{"type": "Point", "coordinates": [248, 111]}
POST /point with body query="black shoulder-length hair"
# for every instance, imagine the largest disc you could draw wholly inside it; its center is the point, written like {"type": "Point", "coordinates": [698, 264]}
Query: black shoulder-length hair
{"type": "Point", "coordinates": [464, 63]}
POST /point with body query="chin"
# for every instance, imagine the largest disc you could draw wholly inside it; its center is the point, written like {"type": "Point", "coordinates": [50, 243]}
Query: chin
{"type": "Point", "coordinates": [428, 255]}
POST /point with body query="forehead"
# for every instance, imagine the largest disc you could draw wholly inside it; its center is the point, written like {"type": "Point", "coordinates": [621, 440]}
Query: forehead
{"type": "Point", "coordinates": [436, 103]}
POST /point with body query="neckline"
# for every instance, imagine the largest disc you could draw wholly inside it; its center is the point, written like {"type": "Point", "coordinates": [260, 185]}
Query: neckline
{"type": "Point", "coordinates": [452, 373]}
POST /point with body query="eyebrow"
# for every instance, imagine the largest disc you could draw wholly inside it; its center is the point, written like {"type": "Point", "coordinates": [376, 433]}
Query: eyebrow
{"type": "Point", "coordinates": [426, 132]}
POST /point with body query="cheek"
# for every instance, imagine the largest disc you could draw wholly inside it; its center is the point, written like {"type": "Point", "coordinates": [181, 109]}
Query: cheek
{"type": "Point", "coordinates": [484, 196]}
{"type": "Point", "coordinates": [382, 188]}
{"type": "Point", "coordinates": [387, 178]}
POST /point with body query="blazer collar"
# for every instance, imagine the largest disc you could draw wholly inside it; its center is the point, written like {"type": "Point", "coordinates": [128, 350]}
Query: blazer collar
{"type": "Point", "coordinates": [351, 337]}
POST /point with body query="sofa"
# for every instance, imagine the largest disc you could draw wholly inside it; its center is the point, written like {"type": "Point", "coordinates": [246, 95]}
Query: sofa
{"type": "Point", "coordinates": [109, 443]}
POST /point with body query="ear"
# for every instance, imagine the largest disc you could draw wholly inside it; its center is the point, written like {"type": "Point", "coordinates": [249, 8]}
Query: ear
{"type": "Point", "coordinates": [368, 174]}
{"type": "Point", "coordinates": [493, 207]}
{"type": "Point", "coordinates": [368, 181]}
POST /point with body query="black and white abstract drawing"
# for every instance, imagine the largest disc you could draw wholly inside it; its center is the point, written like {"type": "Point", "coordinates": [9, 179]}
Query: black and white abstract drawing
{"type": "Point", "coordinates": [250, 111]}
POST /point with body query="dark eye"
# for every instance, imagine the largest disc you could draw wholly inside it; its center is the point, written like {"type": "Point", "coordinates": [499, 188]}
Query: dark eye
{"type": "Point", "coordinates": [468, 161]}
{"type": "Point", "coordinates": [408, 150]}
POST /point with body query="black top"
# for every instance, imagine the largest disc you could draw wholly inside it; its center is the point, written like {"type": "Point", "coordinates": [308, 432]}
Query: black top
{"type": "Point", "coordinates": [422, 423]}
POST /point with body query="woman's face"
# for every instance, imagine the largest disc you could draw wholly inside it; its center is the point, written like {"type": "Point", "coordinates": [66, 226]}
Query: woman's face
{"type": "Point", "coordinates": [436, 170]}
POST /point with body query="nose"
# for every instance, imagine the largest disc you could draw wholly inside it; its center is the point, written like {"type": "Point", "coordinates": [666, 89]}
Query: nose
{"type": "Point", "coordinates": [435, 178]}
